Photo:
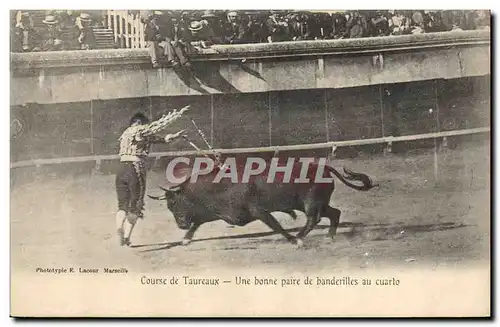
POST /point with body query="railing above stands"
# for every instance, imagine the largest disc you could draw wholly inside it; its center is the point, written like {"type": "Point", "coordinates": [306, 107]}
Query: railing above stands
{"type": "Point", "coordinates": [128, 30]}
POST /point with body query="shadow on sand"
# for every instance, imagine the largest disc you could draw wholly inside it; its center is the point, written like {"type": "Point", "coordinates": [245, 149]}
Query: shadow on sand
{"type": "Point", "coordinates": [358, 231]}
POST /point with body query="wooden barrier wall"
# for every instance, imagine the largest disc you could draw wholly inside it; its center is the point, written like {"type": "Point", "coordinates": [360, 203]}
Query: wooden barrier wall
{"type": "Point", "coordinates": [259, 119]}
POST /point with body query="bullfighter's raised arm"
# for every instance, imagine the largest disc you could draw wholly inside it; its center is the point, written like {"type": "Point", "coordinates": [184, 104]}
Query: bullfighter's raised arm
{"type": "Point", "coordinates": [149, 130]}
{"type": "Point", "coordinates": [167, 138]}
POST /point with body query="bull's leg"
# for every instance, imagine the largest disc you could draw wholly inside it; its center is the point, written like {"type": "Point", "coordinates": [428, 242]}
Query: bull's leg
{"type": "Point", "coordinates": [313, 217]}
{"type": "Point", "coordinates": [189, 234]}
{"type": "Point", "coordinates": [270, 221]}
{"type": "Point", "coordinates": [334, 215]}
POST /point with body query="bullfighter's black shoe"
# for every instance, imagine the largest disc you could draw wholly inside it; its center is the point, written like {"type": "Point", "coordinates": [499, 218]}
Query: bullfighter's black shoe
{"type": "Point", "coordinates": [126, 241]}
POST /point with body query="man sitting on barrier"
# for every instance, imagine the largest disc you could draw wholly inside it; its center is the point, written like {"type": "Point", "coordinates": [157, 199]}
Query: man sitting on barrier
{"type": "Point", "coordinates": [158, 35]}
{"type": "Point", "coordinates": [130, 181]}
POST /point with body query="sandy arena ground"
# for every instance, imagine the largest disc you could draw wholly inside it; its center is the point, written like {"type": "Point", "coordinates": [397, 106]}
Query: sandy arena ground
{"type": "Point", "coordinates": [411, 219]}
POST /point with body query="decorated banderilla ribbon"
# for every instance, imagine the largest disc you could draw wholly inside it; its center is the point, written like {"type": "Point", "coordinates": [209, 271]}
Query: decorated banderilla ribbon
{"type": "Point", "coordinates": [204, 152]}
{"type": "Point", "coordinates": [204, 138]}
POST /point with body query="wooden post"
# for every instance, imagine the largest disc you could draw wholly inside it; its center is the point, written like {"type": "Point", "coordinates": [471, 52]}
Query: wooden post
{"type": "Point", "coordinates": [327, 128]}
{"type": "Point", "coordinates": [115, 26]}
{"type": "Point", "coordinates": [109, 21]}
{"type": "Point", "coordinates": [212, 114]}
{"type": "Point", "coordinates": [141, 33]}
{"type": "Point", "coordinates": [436, 157]}
{"type": "Point", "coordinates": [381, 100]}
{"type": "Point", "coordinates": [151, 108]}
{"type": "Point", "coordinates": [270, 124]}
{"type": "Point", "coordinates": [91, 128]}
{"type": "Point", "coordinates": [126, 26]}
{"type": "Point", "coordinates": [137, 31]}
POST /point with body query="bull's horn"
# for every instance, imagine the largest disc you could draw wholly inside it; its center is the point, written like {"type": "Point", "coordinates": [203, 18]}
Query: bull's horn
{"type": "Point", "coordinates": [163, 197]}
{"type": "Point", "coordinates": [171, 189]}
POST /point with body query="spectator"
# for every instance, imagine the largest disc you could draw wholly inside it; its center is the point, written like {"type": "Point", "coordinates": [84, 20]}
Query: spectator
{"type": "Point", "coordinates": [356, 25]}
{"type": "Point", "coordinates": [25, 36]}
{"type": "Point", "coordinates": [325, 22]}
{"type": "Point", "coordinates": [296, 26]}
{"type": "Point", "coordinates": [69, 30]}
{"type": "Point", "coordinates": [417, 23]}
{"type": "Point", "coordinates": [86, 37]}
{"type": "Point", "coordinates": [201, 36]}
{"type": "Point", "coordinates": [168, 34]}
{"type": "Point", "coordinates": [278, 28]}
{"type": "Point", "coordinates": [213, 21]}
{"type": "Point", "coordinates": [313, 29]}
{"type": "Point", "coordinates": [482, 20]}
{"type": "Point", "coordinates": [378, 24]}
{"type": "Point", "coordinates": [339, 26]}
{"type": "Point", "coordinates": [51, 36]}
{"type": "Point", "coordinates": [178, 44]}
{"type": "Point", "coordinates": [156, 33]}
{"type": "Point", "coordinates": [234, 29]}
{"type": "Point", "coordinates": [258, 32]}
{"type": "Point", "coordinates": [399, 23]}
{"type": "Point", "coordinates": [433, 22]}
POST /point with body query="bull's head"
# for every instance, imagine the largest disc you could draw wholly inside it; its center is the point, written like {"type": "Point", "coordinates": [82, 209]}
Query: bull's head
{"type": "Point", "coordinates": [176, 204]}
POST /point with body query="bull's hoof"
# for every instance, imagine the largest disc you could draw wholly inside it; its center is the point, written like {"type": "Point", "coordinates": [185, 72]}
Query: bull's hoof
{"type": "Point", "coordinates": [185, 241]}
{"type": "Point", "coordinates": [300, 243]}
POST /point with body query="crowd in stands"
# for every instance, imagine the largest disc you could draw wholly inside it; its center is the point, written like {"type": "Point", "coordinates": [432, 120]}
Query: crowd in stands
{"type": "Point", "coordinates": [59, 30]}
{"type": "Point", "coordinates": [172, 35]}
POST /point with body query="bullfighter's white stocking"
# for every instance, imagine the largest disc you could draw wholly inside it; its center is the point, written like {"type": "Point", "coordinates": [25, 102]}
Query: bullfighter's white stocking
{"type": "Point", "coordinates": [128, 227]}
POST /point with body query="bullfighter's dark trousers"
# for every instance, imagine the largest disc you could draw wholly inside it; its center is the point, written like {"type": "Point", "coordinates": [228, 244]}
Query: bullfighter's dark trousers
{"type": "Point", "coordinates": [131, 187]}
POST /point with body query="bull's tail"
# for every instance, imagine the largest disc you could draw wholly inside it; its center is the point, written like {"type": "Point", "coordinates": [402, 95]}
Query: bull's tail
{"type": "Point", "coordinates": [350, 175]}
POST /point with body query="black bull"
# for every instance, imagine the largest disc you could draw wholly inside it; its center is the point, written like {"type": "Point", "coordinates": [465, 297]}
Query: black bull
{"type": "Point", "coordinates": [193, 204]}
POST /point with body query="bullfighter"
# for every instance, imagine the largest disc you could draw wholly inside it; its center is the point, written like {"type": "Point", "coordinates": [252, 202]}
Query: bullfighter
{"type": "Point", "coordinates": [130, 181]}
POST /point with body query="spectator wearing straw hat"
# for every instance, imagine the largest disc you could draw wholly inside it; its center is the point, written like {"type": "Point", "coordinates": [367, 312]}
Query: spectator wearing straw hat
{"type": "Point", "coordinates": [86, 38]}
{"type": "Point", "coordinates": [51, 36]}
{"type": "Point", "coordinates": [201, 35]}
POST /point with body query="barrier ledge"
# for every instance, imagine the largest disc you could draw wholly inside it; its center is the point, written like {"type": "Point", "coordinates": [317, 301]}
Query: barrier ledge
{"type": "Point", "coordinates": [298, 147]}
{"type": "Point", "coordinates": [257, 50]}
